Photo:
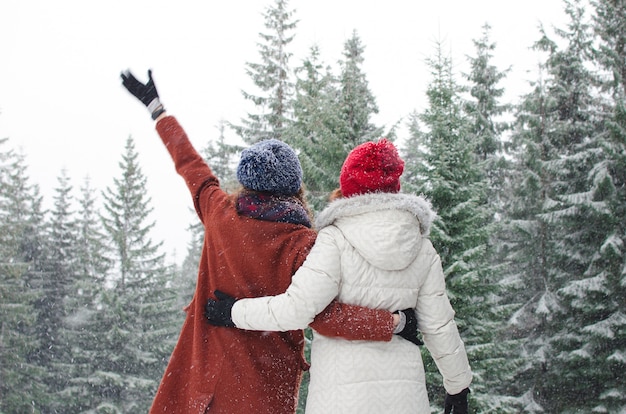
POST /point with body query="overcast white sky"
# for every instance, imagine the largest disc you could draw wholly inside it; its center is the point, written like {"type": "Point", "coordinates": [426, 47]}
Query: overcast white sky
{"type": "Point", "coordinates": [63, 106]}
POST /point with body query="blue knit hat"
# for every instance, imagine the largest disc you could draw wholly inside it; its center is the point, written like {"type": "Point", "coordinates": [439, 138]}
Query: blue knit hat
{"type": "Point", "coordinates": [271, 166]}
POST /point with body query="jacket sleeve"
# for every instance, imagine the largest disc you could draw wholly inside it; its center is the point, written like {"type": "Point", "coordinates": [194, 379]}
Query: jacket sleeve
{"type": "Point", "coordinates": [189, 164]}
{"type": "Point", "coordinates": [436, 322]}
{"type": "Point", "coordinates": [312, 290]}
{"type": "Point", "coordinates": [313, 287]}
{"type": "Point", "coordinates": [354, 322]}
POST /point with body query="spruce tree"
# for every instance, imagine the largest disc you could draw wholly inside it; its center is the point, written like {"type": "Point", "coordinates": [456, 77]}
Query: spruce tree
{"type": "Point", "coordinates": [93, 263]}
{"type": "Point", "coordinates": [577, 217]}
{"type": "Point", "coordinates": [494, 361]}
{"type": "Point", "coordinates": [550, 126]}
{"type": "Point", "coordinates": [20, 379]}
{"type": "Point", "coordinates": [60, 274]}
{"type": "Point", "coordinates": [599, 296]}
{"type": "Point", "coordinates": [318, 129]}
{"type": "Point", "coordinates": [562, 289]}
{"type": "Point", "coordinates": [414, 154]}
{"type": "Point", "coordinates": [332, 115]}
{"type": "Point", "coordinates": [82, 333]}
{"type": "Point", "coordinates": [530, 241]}
{"type": "Point", "coordinates": [33, 248]}
{"type": "Point", "coordinates": [34, 245]}
{"type": "Point", "coordinates": [485, 111]}
{"type": "Point", "coordinates": [138, 313]}
{"type": "Point", "coordinates": [272, 78]}
{"type": "Point", "coordinates": [357, 103]}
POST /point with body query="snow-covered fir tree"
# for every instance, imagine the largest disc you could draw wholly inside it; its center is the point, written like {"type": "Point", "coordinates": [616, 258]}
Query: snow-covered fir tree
{"type": "Point", "coordinates": [318, 129]}
{"type": "Point", "coordinates": [530, 239]}
{"type": "Point", "coordinates": [272, 77]}
{"type": "Point", "coordinates": [357, 103]}
{"type": "Point", "coordinates": [577, 217]}
{"type": "Point", "coordinates": [564, 227]}
{"type": "Point", "coordinates": [599, 298]}
{"type": "Point", "coordinates": [60, 274]}
{"type": "Point", "coordinates": [553, 218]}
{"type": "Point", "coordinates": [81, 332]}
{"type": "Point", "coordinates": [34, 250]}
{"type": "Point", "coordinates": [139, 311]}
{"type": "Point", "coordinates": [492, 352]}
{"type": "Point", "coordinates": [332, 115]}
{"type": "Point", "coordinates": [486, 111]}
{"type": "Point", "coordinates": [20, 378]}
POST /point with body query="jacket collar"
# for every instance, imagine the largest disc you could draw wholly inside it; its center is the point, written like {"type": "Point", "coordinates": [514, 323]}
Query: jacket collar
{"type": "Point", "coordinates": [419, 206]}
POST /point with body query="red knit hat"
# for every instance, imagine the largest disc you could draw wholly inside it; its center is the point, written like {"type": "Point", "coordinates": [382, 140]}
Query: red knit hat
{"type": "Point", "coordinates": [371, 167]}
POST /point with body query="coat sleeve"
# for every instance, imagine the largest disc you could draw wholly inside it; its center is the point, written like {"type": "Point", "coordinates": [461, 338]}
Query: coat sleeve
{"type": "Point", "coordinates": [354, 322]}
{"type": "Point", "coordinates": [436, 322]}
{"type": "Point", "coordinates": [189, 164]}
{"type": "Point", "coordinates": [312, 289]}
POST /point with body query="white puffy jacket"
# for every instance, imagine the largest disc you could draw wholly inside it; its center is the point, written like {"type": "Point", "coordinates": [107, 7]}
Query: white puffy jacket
{"type": "Point", "coordinates": [372, 250]}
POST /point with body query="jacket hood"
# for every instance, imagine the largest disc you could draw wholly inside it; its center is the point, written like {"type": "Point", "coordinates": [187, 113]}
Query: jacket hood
{"type": "Point", "coordinates": [387, 229]}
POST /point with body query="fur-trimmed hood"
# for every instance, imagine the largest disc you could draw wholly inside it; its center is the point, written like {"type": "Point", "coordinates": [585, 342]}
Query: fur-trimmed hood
{"type": "Point", "coordinates": [386, 229]}
{"type": "Point", "coordinates": [419, 206]}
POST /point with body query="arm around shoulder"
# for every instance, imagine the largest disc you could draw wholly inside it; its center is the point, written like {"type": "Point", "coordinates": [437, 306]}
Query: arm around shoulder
{"type": "Point", "coordinates": [354, 322]}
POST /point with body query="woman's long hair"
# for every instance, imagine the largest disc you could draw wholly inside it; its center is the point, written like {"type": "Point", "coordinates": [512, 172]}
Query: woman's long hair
{"type": "Point", "coordinates": [335, 195]}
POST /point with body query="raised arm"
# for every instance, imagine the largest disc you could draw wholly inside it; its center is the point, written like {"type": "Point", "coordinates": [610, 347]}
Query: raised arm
{"type": "Point", "coordinates": [189, 164]}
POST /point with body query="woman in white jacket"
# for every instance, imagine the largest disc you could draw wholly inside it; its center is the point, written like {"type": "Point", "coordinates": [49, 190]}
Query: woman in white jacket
{"type": "Point", "coordinates": [372, 250]}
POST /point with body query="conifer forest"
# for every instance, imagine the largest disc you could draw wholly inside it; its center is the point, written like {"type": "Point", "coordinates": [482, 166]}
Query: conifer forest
{"type": "Point", "coordinates": [531, 227]}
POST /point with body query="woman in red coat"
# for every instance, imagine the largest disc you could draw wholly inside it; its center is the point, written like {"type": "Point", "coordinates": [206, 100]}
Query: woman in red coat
{"type": "Point", "coordinates": [265, 226]}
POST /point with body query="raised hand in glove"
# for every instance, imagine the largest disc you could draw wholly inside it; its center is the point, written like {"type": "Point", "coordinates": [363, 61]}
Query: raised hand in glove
{"type": "Point", "coordinates": [457, 403]}
{"type": "Point", "coordinates": [146, 93]}
{"type": "Point", "coordinates": [218, 311]}
{"type": "Point", "coordinates": [409, 331]}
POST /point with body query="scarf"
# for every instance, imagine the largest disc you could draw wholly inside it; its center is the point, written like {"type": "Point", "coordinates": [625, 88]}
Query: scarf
{"type": "Point", "coordinates": [269, 207]}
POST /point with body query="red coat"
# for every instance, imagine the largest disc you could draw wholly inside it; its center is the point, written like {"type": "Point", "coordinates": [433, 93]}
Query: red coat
{"type": "Point", "coordinates": [229, 370]}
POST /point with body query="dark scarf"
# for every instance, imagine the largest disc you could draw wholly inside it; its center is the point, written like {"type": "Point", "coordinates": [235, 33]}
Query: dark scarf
{"type": "Point", "coordinates": [268, 207]}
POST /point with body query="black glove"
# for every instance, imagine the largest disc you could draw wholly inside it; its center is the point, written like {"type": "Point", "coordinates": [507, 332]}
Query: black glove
{"type": "Point", "coordinates": [457, 403]}
{"type": "Point", "coordinates": [218, 311]}
{"type": "Point", "coordinates": [147, 93]}
{"type": "Point", "coordinates": [409, 332]}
